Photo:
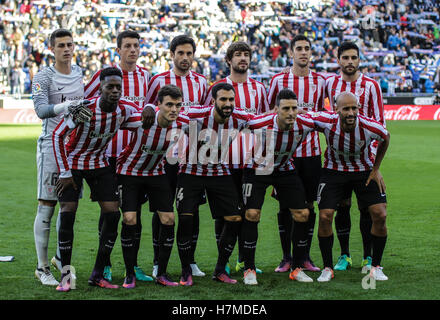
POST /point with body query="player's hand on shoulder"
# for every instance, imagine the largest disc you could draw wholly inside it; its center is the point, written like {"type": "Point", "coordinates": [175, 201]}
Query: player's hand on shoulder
{"type": "Point", "coordinates": [79, 111]}
{"type": "Point", "coordinates": [148, 116]}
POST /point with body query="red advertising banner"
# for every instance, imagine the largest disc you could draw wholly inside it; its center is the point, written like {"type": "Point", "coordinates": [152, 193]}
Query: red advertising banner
{"type": "Point", "coordinates": [412, 112]}
{"type": "Point", "coordinates": [392, 112]}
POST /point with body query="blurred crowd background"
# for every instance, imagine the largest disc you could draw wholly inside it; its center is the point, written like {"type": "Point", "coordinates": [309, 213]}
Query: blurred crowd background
{"type": "Point", "coordinates": [399, 40]}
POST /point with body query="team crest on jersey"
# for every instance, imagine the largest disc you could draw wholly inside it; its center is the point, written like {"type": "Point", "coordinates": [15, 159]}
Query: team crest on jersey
{"type": "Point", "coordinates": [121, 120]}
{"type": "Point", "coordinates": [298, 138]}
{"type": "Point", "coordinates": [196, 86]}
{"type": "Point", "coordinates": [253, 93]}
{"type": "Point", "coordinates": [360, 143]}
{"type": "Point", "coordinates": [359, 91]}
{"type": "Point", "coordinates": [312, 87]}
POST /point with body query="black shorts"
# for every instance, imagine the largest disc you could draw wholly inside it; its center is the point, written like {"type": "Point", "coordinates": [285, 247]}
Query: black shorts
{"type": "Point", "coordinates": [223, 198]}
{"type": "Point", "coordinates": [309, 171]}
{"type": "Point", "coordinates": [290, 190]}
{"type": "Point", "coordinates": [171, 171]}
{"type": "Point", "coordinates": [102, 182]}
{"type": "Point", "coordinates": [132, 190]}
{"type": "Point", "coordinates": [335, 185]}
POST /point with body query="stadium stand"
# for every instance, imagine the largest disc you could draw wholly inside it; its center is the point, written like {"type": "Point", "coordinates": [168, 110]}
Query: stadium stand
{"type": "Point", "coordinates": [399, 40]}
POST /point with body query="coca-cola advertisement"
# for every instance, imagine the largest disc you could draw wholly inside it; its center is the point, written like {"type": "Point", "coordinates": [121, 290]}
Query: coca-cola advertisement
{"type": "Point", "coordinates": [412, 112]}
{"type": "Point", "coordinates": [19, 116]}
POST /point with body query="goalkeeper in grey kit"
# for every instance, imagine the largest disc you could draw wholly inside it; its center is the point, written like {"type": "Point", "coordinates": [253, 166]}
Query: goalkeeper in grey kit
{"type": "Point", "coordinates": [57, 91]}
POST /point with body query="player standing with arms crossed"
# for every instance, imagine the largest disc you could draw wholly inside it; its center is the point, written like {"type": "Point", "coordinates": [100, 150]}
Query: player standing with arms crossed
{"type": "Point", "coordinates": [134, 89]}
{"type": "Point", "coordinates": [309, 87]}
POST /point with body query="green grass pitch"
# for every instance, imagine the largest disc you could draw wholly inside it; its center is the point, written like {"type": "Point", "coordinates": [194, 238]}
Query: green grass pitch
{"type": "Point", "coordinates": [411, 172]}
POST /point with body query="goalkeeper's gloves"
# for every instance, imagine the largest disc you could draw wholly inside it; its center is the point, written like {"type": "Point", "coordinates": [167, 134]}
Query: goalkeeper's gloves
{"type": "Point", "coordinates": [76, 109]}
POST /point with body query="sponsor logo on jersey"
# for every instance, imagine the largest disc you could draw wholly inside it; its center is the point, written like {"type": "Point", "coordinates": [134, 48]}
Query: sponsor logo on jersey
{"type": "Point", "coordinates": [133, 98]}
{"type": "Point", "coordinates": [97, 135]}
{"type": "Point", "coordinates": [145, 149]}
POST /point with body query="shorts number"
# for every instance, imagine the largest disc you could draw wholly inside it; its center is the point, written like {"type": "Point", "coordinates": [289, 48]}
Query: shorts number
{"type": "Point", "coordinates": [51, 179]}
{"type": "Point", "coordinates": [179, 194]}
{"type": "Point", "coordinates": [320, 188]}
{"type": "Point", "coordinates": [247, 190]}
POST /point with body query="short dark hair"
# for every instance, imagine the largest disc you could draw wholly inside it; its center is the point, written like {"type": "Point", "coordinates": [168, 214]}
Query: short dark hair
{"type": "Point", "coordinates": [237, 46]}
{"type": "Point", "coordinates": [221, 86]}
{"type": "Point", "coordinates": [126, 34]}
{"type": "Point", "coordinates": [59, 33]}
{"type": "Point", "coordinates": [109, 72]}
{"type": "Point", "coordinates": [285, 94]}
{"type": "Point", "coordinates": [347, 45]}
{"type": "Point", "coordinates": [182, 39]}
{"type": "Point", "coordinates": [169, 90]}
{"type": "Point", "coordinates": [299, 37]}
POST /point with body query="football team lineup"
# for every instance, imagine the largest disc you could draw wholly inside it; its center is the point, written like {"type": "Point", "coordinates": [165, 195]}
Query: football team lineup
{"type": "Point", "coordinates": [242, 150]}
{"type": "Point", "coordinates": [102, 139]}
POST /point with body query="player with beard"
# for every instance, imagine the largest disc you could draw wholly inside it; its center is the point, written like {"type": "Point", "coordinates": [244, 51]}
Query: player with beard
{"type": "Point", "coordinates": [204, 171]}
{"type": "Point", "coordinates": [250, 96]}
{"type": "Point", "coordinates": [350, 166]}
{"type": "Point", "coordinates": [369, 96]}
{"type": "Point", "coordinates": [193, 86]}
{"type": "Point", "coordinates": [309, 87]}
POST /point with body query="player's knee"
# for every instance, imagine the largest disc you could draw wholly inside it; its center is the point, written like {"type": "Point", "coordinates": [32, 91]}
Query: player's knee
{"type": "Point", "coordinates": [109, 206]}
{"type": "Point", "coordinates": [326, 218]}
{"type": "Point", "coordinates": [129, 218]}
{"type": "Point", "coordinates": [166, 218]}
{"type": "Point", "coordinates": [47, 203]}
{"type": "Point", "coordinates": [345, 203]}
{"type": "Point", "coordinates": [378, 213]}
{"type": "Point", "coordinates": [232, 218]}
{"type": "Point", "coordinates": [253, 215]}
{"type": "Point", "coordinates": [300, 215]}
{"type": "Point", "coordinates": [68, 206]}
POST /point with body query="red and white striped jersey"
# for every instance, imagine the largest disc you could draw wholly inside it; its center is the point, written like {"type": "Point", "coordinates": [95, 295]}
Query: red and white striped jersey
{"type": "Point", "coordinates": [250, 96]}
{"type": "Point", "coordinates": [209, 141]}
{"type": "Point", "coordinates": [310, 91]}
{"type": "Point", "coordinates": [87, 142]}
{"type": "Point", "coordinates": [348, 151]}
{"type": "Point", "coordinates": [146, 152]}
{"type": "Point", "coordinates": [134, 89]}
{"type": "Point", "coordinates": [367, 91]}
{"type": "Point", "coordinates": [193, 87]}
{"type": "Point", "coordinates": [273, 148]}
